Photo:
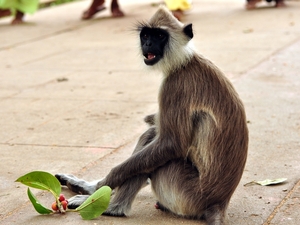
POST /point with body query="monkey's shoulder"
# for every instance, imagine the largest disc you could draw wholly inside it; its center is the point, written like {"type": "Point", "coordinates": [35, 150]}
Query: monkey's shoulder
{"type": "Point", "coordinates": [199, 66]}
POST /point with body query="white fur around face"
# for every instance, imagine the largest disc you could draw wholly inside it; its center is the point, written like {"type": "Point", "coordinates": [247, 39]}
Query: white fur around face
{"type": "Point", "coordinates": [176, 55]}
{"type": "Point", "coordinates": [179, 48]}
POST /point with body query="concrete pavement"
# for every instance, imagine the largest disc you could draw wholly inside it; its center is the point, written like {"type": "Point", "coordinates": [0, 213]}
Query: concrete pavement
{"type": "Point", "coordinates": [73, 95]}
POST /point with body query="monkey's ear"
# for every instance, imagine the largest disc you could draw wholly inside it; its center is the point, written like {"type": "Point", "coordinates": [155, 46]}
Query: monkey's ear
{"type": "Point", "coordinates": [188, 30]}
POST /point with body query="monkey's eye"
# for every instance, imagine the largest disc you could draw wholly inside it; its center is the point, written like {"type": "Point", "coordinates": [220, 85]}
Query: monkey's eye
{"type": "Point", "coordinates": [144, 35]}
{"type": "Point", "coordinates": [161, 36]}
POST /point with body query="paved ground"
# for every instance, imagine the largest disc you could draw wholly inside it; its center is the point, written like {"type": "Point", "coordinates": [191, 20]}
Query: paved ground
{"type": "Point", "coordinates": [73, 94]}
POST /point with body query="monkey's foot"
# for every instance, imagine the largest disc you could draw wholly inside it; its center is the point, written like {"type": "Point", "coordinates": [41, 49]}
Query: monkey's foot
{"type": "Point", "coordinates": [88, 14]}
{"type": "Point", "coordinates": [115, 210]}
{"type": "Point", "coordinates": [76, 201]}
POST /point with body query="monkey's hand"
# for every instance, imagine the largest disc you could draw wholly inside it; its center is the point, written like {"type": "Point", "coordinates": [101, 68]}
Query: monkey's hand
{"type": "Point", "coordinates": [77, 185]}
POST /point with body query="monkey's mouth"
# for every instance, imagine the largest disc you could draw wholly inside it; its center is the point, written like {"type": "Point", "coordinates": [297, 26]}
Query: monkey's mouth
{"type": "Point", "coordinates": [150, 58]}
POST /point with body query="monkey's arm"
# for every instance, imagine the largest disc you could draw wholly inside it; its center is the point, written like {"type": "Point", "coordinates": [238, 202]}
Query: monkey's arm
{"type": "Point", "coordinates": [173, 137]}
{"type": "Point", "coordinates": [152, 156]}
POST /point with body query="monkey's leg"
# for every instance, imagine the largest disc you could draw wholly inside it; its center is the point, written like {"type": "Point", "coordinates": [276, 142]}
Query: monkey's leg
{"type": "Point", "coordinates": [150, 119]}
{"type": "Point", "coordinates": [215, 215]}
{"type": "Point", "coordinates": [171, 184]}
{"type": "Point", "coordinates": [125, 194]}
{"type": "Point", "coordinates": [120, 205]}
{"type": "Point", "coordinates": [145, 139]}
{"type": "Point", "coordinates": [177, 187]}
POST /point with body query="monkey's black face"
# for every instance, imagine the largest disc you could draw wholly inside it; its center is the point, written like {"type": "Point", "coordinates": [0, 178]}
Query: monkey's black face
{"type": "Point", "coordinates": [153, 42]}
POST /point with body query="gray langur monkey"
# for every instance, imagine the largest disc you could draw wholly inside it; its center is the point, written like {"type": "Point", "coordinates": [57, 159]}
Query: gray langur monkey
{"type": "Point", "coordinates": [195, 149]}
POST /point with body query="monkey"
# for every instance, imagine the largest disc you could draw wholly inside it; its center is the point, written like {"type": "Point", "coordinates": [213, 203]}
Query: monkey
{"type": "Point", "coordinates": [195, 148]}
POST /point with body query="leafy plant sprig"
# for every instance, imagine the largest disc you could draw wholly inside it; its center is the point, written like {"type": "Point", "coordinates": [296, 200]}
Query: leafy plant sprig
{"type": "Point", "coordinates": [93, 207]}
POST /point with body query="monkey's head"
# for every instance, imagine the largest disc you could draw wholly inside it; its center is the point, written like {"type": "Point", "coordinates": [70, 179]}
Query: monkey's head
{"type": "Point", "coordinates": [165, 41]}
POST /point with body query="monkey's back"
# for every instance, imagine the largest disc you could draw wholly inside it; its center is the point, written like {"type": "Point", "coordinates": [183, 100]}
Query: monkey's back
{"type": "Point", "coordinates": [218, 134]}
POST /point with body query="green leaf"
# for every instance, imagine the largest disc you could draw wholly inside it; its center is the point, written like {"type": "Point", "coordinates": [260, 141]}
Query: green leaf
{"type": "Point", "coordinates": [41, 180]}
{"type": "Point", "coordinates": [38, 206]}
{"type": "Point", "coordinates": [96, 204]}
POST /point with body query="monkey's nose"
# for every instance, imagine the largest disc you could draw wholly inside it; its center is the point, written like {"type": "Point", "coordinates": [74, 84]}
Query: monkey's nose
{"type": "Point", "coordinates": [148, 43]}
